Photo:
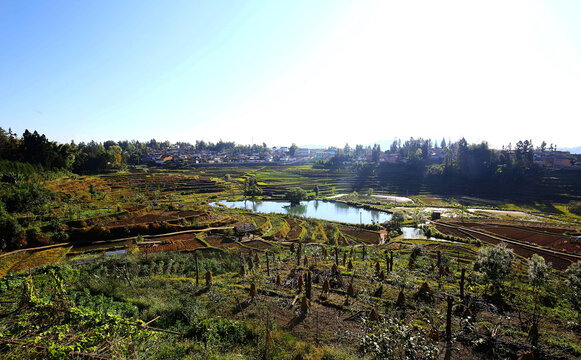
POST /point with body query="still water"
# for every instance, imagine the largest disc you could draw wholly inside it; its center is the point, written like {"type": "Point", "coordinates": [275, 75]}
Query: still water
{"type": "Point", "coordinates": [325, 210]}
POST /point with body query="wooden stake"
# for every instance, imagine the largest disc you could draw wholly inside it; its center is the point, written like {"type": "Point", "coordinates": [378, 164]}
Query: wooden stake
{"type": "Point", "coordinates": [386, 260]}
{"type": "Point", "coordinates": [449, 319]}
{"type": "Point", "coordinates": [317, 328]}
{"type": "Point", "coordinates": [462, 283]}
{"type": "Point", "coordinates": [308, 291]}
{"type": "Point", "coordinates": [197, 269]}
{"type": "Point", "coordinates": [240, 307]}
{"type": "Point", "coordinates": [299, 254]}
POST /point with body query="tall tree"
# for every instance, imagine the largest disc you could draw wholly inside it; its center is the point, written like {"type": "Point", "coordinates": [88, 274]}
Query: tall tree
{"type": "Point", "coordinates": [376, 153]}
{"type": "Point", "coordinates": [347, 149]}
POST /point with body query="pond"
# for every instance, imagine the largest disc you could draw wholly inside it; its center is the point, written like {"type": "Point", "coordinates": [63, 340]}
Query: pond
{"type": "Point", "coordinates": [324, 210]}
{"type": "Point", "coordinates": [81, 258]}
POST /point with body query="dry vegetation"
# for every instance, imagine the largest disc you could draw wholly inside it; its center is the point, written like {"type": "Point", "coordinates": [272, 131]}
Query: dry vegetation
{"type": "Point", "coordinates": [297, 288]}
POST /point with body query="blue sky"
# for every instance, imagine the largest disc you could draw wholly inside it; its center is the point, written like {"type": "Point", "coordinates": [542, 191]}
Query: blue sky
{"type": "Point", "coordinates": [309, 72]}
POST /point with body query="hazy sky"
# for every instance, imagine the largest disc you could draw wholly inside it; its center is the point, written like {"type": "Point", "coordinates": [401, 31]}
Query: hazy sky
{"type": "Point", "coordinates": [309, 72]}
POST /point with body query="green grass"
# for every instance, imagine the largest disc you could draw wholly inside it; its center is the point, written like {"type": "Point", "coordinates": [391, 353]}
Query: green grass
{"type": "Point", "coordinates": [144, 287]}
{"type": "Point", "coordinates": [162, 286]}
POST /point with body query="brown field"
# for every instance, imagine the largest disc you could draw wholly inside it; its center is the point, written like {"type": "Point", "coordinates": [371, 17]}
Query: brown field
{"type": "Point", "coordinates": [553, 241]}
{"type": "Point", "coordinates": [295, 229]}
{"type": "Point", "coordinates": [165, 183]}
{"type": "Point", "coordinates": [257, 244]}
{"type": "Point", "coordinates": [39, 258]}
{"type": "Point", "coordinates": [219, 241]}
{"type": "Point", "coordinates": [366, 236]}
{"type": "Point", "coordinates": [174, 245]}
{"type": "Point", "coordinates": [530, 234]}
{"type": "Point", "coordinates": [557, 249]}
{"type": "Point", "coordinates": [450, 231]}
{"type": "Point", "coordinates": [158, 216]}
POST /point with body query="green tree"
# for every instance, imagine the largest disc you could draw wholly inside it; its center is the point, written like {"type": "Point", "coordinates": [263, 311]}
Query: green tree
{"type": "Point", "coordinates": [538, 276]}
{"type": "Point", "coordinates": [296, 195]}
{"type": "Point", "coordinates": [25, 197]}
{"type": "Point", "coordinates": [397, 217]}
{"type": "Point", "coordinates": [9, 230]}
{"type": "Point", "coordinates": [347, 149]}
{"type": "Point", "coordinates": [496, 265]}
{"type": "Point", "coordinates": [543, 146]}
{"type": "Point", "coordinates": [293, 149]}
{"type": "Point", "coordinates": [415, 160]}
{"type": "Point", "coordinates": [251, 187]}
{"type": "Point", "coordinates": [538, 271]}
{"type": "Point", "coordinates": [524, 154]}
{"type": "Point", "coordinates": [316, 190]}
{"type": "Point", "coordinates": [393, 147]}
{"type": "Point", "coordinates": [376, 153]}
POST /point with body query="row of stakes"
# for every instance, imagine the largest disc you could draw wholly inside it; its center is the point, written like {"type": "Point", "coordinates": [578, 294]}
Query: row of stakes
{"type": "Point", "coordinates": [373, 316]}
{"type": "Point", "coordinates": [423, 292]}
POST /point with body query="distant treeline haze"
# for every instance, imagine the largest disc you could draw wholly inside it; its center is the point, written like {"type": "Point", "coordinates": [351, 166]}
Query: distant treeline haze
{"type": "Point", "coordinates": [440, 166]}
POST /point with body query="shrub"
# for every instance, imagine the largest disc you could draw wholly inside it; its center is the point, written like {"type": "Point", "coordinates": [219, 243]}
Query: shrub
{"type": "Point", "coordinates": [397, 217]}
{"type": "Point", "coordinates": [296, 195]}
{"type": "Point", "coordinates": [224, 331]}
{"type": "Point", "coordinates": [60, 236]}
{"type": "Point", "coordinates": [575, 207]}
{"type": "Point", "coordinates": [26, 197]}
{"type": "Point", "coordinates": [538, 271]}
{"type": "Point", "coordinates": [9, 230]}
{"type": "Point", "coordinates": [397, 340]}
{"type": "Point", "coordinates": [496, 265]}
{"type": "Point", "coordinates": [574, 285]}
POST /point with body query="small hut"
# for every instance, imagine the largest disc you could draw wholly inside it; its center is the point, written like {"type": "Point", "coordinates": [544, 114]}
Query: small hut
{"type": "Point", "coordinates": [245, 229]}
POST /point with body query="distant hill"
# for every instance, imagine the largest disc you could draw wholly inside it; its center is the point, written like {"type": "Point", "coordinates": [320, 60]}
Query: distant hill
{"type": "Point", "coordinates": [573, 150]}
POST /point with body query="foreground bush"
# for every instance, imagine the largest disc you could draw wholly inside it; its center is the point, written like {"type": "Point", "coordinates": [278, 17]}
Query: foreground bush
{"type": "Point", "coordinates": [496, 265]}
{"type": "Point", "coordinates": [397, 340]}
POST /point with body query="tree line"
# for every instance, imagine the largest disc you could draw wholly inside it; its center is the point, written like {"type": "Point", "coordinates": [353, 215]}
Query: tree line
{"type": "Point", "coordinates": [34, 152]}
{"type": "Point", "coordinates": [449, 167]}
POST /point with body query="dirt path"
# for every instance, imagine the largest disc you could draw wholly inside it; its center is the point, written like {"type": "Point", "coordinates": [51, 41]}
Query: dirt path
{"type": "Point", "coordinates": [35, 249]}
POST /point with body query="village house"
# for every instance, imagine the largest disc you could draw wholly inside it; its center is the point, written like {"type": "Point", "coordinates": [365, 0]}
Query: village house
{"type": "Point", "coordinates": [163, 159]}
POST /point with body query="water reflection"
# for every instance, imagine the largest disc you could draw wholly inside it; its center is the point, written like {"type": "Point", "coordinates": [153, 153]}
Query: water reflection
{"type": "Point", "coordinates": [298, 210]}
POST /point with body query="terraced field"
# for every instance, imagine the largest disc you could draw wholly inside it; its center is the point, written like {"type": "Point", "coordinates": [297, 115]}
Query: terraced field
{"type": "Point", "coordinates": [296, 229]}
{"type": "Point", "coordinates": [165, 183]}
{"type": "Point", "coordinates": [361, 235]}
{"type": "Point", "coordinates": [182, 243]}
{"type": "Point", "coordinates": [20, 261]}
{"type": "Point", "coordinates": [560, 250]}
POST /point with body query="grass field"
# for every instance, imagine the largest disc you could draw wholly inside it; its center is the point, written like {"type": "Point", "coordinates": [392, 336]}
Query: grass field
{"type": "Point", "coordinates": [175, 239]}
{"type": "Point", "coordinates": [227, 320]}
